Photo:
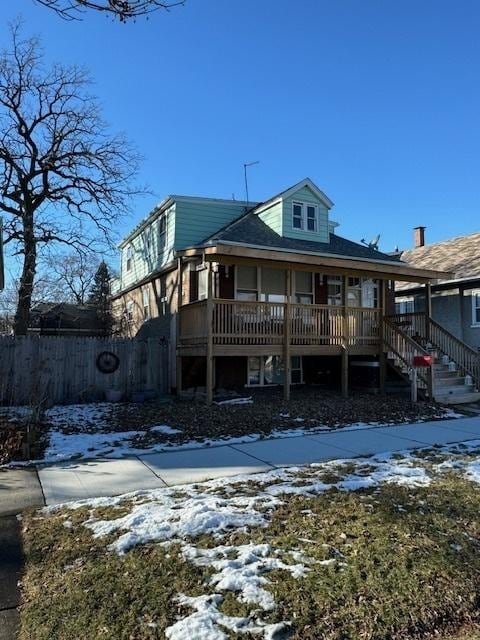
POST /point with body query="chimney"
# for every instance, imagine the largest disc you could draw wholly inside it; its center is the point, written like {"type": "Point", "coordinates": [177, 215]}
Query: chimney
{"type": "Point", "coordinates": [419, 236]}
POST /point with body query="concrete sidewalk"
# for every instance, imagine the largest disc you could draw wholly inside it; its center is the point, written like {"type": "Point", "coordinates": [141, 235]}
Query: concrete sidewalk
{"type": "Point", "coordinates": [19, 489]}
{"type": "Point", "coordinates": [108, 477]}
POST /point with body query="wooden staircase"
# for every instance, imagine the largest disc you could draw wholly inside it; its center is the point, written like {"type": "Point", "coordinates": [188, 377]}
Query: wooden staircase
{"type": "Point", "coordinates": [453, 377]}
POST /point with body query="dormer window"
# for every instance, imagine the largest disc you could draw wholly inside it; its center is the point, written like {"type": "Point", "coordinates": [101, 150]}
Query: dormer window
{"type": "Point", "coordinates": [304, 216]}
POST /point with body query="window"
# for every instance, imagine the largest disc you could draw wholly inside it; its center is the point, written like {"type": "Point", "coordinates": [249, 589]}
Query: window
{"type": "Point", "coordinates": [334, 293]}
{"type": "Point", "coordinates": [303, 287]}
{"type": "Point", "coordinates": [146, 302]}
{"type": "Point", "coordinates": [404, 305]}
{"type": "Point", "coordinates": [311, 218]}
{"type": "Point", "coordinates": [163, 296]}
{"type": "Point", "coordinates": [273, 285]}
{"type": "Point", "coordinates": [247, 283]}
{"type": "Point", "coordinates": [162, 232]}
{"type": "Point", "coordinates": [129, 257]}
{"type": "Point", "coordinates": [354, 292]}
{"type": "Point", "coordinates": [370, 293]}
{"type": "Point", "coordinates": [202, 283]}
{"type": "Point", "coordinates": [147, 239]}
{"type": "Point", "coordinates": [304, 216]}
{"type": "Point", "coordinates": [476, 308]}
{"type": "Point", "coordinates": [270, 370]}
{"type": "Point", "coordinates": [129, 312]}
{"type": "Point", "coordinates": [297, 221]}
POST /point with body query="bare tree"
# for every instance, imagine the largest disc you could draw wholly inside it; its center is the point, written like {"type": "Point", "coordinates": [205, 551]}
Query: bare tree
{"type": "Point", "coordinates": [122, 9]}
{"type": "Point", "coordinates": [72, 275]}
{"type": "Point", "coordinates": [65, 178]}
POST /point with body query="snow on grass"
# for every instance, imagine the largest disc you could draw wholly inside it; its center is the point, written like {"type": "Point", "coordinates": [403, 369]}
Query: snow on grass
{"type": "Point", "coordinates": [218, 508]}
{"type": "Point", "coordinates": [84, 431]}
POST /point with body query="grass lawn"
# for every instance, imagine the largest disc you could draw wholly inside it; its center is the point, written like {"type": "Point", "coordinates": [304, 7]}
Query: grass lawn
{"type": "Point", "coordinates": [380, 548]}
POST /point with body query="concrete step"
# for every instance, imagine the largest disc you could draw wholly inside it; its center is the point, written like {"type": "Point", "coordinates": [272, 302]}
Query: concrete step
{"type": "Point", "coordinates": [465, 398]}
{"type": "Point", "coordinates": [454, 389]}
{"type": "Point", "coordinates": [453, 381]}
{"type": "Point", "coordinates": [446, 375]}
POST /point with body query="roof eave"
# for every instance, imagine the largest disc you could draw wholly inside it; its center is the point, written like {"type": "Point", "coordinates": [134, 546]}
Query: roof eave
{"type": "Point", "coordinates": [397, 268]}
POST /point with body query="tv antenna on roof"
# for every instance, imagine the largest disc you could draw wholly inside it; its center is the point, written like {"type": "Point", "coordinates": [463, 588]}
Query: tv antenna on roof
{"type": "Point", "coordinates": [373, 244]}
{"type": "Point", "coordinates": [245, 167]}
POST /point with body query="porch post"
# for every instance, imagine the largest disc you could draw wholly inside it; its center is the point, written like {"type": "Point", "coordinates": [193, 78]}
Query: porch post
{"type": "Point", "coordinates": [287, 330]}
{"type": "Point", "coordinates": [209, 380]}
{"type": "Point", "coordinates": [428, 309]}
{"type": "Point", "coordinates": [383, 355]}
{"type": "Point", "coordinates": [178, 360]}
{"type": "Point", "coordinates": [345, 339]}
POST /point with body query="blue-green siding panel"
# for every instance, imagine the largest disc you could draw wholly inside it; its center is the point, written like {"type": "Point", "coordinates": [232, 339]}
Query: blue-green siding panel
{"type": "Point", "coordinates": [307, 196]}
{"type": "Point", "coordinates": [273, 217]}
{"type": "Point", "coordinates": [195, 221]}
{"type": "Point", "coordinates": [147, 255]}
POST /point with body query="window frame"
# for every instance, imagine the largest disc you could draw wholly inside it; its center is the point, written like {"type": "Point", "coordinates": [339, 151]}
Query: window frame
{"type": "Point", "coordinates": [129, 257]}
{"type": "Point", "coordinates": [298, 293]}
{"type": "Point", "coordinates": [261, 370]}
{"type": "Point", "coordinates": [129, 312]}
{"type": "Point", "coordinates": [475, 308]}
{"type": "Point", "coordinates": [402, 305]}
{"type": "Point", "coordinates": [304, 218]}
{"type": "Point", "coordinates": [162, 232]}
{"type": "Point", "coordinates": [146, 303]}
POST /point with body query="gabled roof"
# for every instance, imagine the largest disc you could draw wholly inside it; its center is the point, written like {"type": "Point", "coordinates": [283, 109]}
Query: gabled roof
{"type": "Point", "coordinates": [283, 195]}
{"type": "Point", "coordinates": [460, 256]}
{"type": "Point", "coordinates": [251, 230]}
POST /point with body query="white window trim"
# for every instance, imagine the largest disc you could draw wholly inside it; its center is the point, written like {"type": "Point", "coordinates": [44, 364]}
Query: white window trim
{"type": "Point", "coordinates": [129, 258]}
{"type": "Point", "coordinates": [296, 292]}
{"type": "Point", "coordinates": [304, 216]}
{"type": "Point", "coordinates": [162, 235]}
{"type": "Point", "coordinates": [130, 312]}
{"type": "Point", "coordinates": [475, 324]}
{"type": "Point", "coordinates": [146, 299]}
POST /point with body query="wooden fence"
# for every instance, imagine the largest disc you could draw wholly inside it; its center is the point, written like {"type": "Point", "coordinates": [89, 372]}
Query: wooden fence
{"type": "Point", "coordinates": [62, 370]}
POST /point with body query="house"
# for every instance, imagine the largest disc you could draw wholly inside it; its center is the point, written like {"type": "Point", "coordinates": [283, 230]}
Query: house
{"type": "Point", "coordinates": [455, 300]}
{"type": "Point", "coordinates": [62, 318]}
{"type": "Point", "coordinates": [258, 294]}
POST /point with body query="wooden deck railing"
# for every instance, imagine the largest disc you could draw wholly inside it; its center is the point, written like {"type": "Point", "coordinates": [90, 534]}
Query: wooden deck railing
{"type": "Point", "coordinates": [193, 323]}
{"type": "Point", "coordinates": [238, 322]}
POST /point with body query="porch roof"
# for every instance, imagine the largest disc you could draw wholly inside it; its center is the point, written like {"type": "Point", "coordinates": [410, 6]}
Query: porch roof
{"type": "Point", "coordinates": [251, 238]}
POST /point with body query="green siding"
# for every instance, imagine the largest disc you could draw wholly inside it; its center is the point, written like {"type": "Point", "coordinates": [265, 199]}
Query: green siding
{"type": "Point", "coordinates": [196, 220]}
{"type": "Point", "coordinates": [146, 258]}
{"type": "Point", "coordinates": [273, 217]}
{"type": "Point", "coordinates": [307, 196]}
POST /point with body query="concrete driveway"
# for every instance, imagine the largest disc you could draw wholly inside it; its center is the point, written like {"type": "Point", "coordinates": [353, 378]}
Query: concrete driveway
{"type": "Point", "coordinates": [105, 477]}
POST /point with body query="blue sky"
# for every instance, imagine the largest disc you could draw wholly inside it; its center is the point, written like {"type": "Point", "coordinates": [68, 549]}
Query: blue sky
{"type": "Point", "coordinates": [377, 101]}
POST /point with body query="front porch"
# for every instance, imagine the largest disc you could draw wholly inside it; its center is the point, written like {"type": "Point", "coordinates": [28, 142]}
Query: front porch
{"type": "Point", "coordinates": [282, 306]}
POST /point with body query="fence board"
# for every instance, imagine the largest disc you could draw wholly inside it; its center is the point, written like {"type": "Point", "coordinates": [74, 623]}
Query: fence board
{"type": "Point", "coordinates": [62, 370]}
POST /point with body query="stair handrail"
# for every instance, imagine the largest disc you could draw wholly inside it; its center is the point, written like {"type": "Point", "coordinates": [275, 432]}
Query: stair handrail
{"type": "Point", "coordinates": [415, 348]}
{"type": "Point", "coordinates": [463, 355]}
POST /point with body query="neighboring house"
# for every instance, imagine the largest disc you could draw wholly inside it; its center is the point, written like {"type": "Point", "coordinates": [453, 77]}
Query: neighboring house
{"type": "Point", "coordinates": [257, 294]}
{"type": "Point", "coordinates": [62, 318]}
{"type": "Point", "coordinates": [455, 301]}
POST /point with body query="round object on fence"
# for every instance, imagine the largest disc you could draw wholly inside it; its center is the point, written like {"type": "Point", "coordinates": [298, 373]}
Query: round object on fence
{"type": "Point", "coordinates": [107, 362]}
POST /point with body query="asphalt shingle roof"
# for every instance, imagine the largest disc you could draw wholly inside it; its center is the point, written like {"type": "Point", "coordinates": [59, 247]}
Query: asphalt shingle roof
{"type": "Point", "coordinates": [252, 230]}
{"type": "Point", "coordinates": [459, 255]}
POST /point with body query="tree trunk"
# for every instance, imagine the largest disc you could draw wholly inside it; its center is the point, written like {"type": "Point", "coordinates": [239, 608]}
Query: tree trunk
{"type": "Point", "coordinates": [22, 315]}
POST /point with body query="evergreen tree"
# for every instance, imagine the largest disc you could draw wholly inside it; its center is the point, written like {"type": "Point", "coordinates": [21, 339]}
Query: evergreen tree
{"type": "Point", "coordinates": [100, 297]}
